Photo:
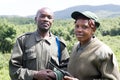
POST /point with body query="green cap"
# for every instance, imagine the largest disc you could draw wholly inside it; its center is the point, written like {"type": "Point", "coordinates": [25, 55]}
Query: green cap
{"type": "Point", "coordinates": [86, 14]}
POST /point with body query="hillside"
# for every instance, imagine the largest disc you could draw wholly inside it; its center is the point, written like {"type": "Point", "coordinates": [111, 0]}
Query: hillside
{"type": "Point", "coordinates": [103, 11]}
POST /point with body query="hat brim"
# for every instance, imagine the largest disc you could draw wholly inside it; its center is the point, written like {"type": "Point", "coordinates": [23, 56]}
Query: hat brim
{"type": "Point", "coordinates": [75, 15]}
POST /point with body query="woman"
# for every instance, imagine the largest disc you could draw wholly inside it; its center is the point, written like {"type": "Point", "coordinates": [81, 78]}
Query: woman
{"type": "Point", "coordinates": [91, 59]}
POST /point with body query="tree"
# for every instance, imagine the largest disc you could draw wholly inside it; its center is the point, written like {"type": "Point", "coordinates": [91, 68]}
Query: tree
{"type": "Point", "coordinates": [7, 35]}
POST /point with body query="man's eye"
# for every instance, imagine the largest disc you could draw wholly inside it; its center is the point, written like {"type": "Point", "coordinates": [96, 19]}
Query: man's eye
{"type": "Point", "coordinates": [42, 16]}
{"type": "Point", "coordinates": [50, 17]}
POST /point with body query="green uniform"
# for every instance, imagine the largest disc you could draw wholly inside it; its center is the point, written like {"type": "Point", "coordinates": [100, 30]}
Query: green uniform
{"type": "Point", "coordinates": [31, 52]}
{"type": "Point", "coordinates": [93, 61]}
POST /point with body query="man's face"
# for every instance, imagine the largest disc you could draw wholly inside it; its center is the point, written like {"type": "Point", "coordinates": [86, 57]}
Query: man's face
{"type": "Point", "coordinates": [83, 30]}
{"type": "Point", "coordinates": [44, 19]}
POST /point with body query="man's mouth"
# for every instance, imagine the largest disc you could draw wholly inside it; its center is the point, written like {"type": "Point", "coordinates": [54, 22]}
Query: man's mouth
{"type": "Point", "coordinates": [45, 24]}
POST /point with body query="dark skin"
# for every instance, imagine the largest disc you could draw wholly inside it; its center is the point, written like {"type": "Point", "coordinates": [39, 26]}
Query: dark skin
{"type": "Point", "coordinates": [84, 30]}
{"type": "Point", "coordinates": [44, 20]}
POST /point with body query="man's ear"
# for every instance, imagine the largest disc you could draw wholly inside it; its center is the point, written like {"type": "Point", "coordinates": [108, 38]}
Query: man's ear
{"type": "Point", "coordinates": [53, 20]}
{"type": "Point", "coordinates": [35, 19]}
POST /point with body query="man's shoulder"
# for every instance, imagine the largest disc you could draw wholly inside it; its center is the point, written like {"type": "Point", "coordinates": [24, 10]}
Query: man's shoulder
{"type": "Point", "coordinates": [62, 41]}
{"type": "Point", "coordinates": [26, 34]}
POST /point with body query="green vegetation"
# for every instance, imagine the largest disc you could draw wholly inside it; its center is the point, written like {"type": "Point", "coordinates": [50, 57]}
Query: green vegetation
{"type": "Point", "coordinates": [4, 72]}
{"type": "Point", "coordinates": [11, 28]}
{"type": "Point", "coordinates": [7, 36]}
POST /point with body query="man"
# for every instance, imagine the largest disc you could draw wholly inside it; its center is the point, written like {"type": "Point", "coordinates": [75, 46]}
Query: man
{"type": "Point", "coordinates": [33, 52]}
{"type": "Point", "coordinates": [91, 59]}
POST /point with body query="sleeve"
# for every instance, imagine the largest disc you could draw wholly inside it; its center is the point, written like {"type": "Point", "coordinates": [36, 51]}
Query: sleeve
{"type": "Point", "coordinates": [64, 50]}
{"type": "Point", "coordinates": [16, 70]}
{"type": "Point", "coordinates": [64, 55]}
{"type": "Point", "coordinates": [109, 66]}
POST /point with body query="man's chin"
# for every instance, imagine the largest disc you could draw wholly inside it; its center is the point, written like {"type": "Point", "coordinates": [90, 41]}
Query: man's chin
{"type": "Point", "coordinates": [45, 30]}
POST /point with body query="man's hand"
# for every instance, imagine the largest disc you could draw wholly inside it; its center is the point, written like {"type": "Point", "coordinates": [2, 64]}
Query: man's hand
{"type": "Point", "coordinates": [46, 74]}
{"type": "Point", "coordinates": [69, 78]}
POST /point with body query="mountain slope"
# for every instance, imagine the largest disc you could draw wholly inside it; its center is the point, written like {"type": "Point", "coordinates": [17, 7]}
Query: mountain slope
{"type": "Point", "coordinates": [103, 11]}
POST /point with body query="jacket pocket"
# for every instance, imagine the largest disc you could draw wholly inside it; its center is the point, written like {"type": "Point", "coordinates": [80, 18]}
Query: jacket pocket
{"type": "Point", "coordinates": [29, 59]}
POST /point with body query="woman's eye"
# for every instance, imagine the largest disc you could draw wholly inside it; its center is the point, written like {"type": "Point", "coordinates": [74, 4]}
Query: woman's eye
{"type": "Point", "coordinates": [84, 27]}
{"type": "Point", "coordinates": [76, 26]}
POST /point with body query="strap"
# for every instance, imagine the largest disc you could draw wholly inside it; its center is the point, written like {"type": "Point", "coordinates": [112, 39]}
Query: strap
{"type": "Point", "coordinates": [59, 49]}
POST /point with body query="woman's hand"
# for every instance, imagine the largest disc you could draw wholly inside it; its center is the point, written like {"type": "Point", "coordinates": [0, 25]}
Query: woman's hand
{"type": "Point", "coordinates": [69, 78]}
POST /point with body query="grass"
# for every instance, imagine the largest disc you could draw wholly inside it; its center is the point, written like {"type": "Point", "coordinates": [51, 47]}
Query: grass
{"type": "Point", "coordinates": [4, 71]}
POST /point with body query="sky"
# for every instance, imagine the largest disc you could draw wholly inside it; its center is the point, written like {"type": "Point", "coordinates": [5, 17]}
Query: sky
{"type": "Point", "coordinates": [30, 7]}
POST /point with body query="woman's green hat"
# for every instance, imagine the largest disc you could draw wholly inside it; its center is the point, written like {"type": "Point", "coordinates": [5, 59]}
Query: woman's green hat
{"type": "Point", "coordinates": [86, 14]}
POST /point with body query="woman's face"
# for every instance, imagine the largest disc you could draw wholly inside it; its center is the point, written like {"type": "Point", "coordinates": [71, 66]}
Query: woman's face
{"type": "Point", "coordinates": [84, 30]}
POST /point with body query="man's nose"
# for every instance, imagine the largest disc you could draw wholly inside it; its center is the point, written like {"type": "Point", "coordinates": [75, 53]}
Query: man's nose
{"type": "Point", "coordinates": [46, 18]}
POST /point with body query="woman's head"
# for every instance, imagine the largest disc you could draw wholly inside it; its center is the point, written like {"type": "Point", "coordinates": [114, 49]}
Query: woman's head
{"type": "Point", "coordinates": [85, 26]}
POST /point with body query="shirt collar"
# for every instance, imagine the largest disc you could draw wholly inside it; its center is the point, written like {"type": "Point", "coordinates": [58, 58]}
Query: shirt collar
{"type": "Point", "coordinates": [38, 38]}
{"type": "Point", "coordinates": [79, 47]}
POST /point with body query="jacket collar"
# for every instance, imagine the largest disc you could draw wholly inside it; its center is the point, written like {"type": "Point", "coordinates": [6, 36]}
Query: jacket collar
{"type": "Point", "coordinates": [48, 40]}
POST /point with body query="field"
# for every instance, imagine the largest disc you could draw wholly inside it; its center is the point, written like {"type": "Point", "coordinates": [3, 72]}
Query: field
{"type": "Point", "coordinates": [109, 33]}
{"type": "Point", "coordinates": [4, 58]}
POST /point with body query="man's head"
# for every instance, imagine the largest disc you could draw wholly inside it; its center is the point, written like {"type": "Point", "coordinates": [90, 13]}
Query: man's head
{"type": "Point", "coordinates": [85, 25]}
{"type": "Point", "coordinates": [44, 19]}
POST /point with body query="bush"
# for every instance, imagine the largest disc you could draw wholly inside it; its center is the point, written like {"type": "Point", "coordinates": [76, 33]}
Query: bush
{"type": "Point", "coordinates": [7, 36]}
